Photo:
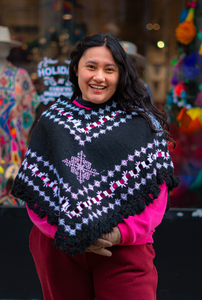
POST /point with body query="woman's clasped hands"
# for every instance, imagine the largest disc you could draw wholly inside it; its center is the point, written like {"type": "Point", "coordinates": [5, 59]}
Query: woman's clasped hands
{"type": "Point", "coordinates": [106, 241]}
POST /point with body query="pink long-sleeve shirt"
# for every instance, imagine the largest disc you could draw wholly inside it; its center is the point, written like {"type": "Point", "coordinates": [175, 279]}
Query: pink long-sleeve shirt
{"type": "Point", "coordinates": [135, 230]}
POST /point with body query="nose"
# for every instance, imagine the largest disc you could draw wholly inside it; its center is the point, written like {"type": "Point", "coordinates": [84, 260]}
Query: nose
{"type": "Point", "coordinates": [99, 76]}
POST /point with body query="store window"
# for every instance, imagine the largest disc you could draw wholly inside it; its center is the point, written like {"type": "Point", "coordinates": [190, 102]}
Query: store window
{"type": "Point", "coordinates": [35, 73]}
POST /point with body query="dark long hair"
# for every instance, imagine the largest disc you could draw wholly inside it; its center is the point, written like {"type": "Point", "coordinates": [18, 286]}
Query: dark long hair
{"type": "Point", "coordinates": [131, 92]}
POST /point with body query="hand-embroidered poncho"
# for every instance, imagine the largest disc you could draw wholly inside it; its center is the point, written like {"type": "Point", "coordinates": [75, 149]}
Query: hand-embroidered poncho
{"type": "Point", "coordinates": [88, 169]}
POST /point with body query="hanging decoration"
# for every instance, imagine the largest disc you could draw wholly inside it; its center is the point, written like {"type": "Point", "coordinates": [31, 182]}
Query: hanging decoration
{"type": "Point", "coordinates": [186, 31]}
{"type": "Point", "coordinates": [190, 120]}
{"type": "Point", "coordinates": [190, 66]}
{"type": "Point", "coordinates": [198, 101]}
{"type": "Point", "coordinates": [177, 96]}
{"type": "Point", "coordinates": [184, 110]}
{"type": "Point", "coordinates": [183, 15]}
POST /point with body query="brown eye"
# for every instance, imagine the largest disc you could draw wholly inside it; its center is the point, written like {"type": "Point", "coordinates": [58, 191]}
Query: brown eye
{"type": "Point", "coordinates": [91, 67]}
{"type": "Point", "coordinates": [110, 70]}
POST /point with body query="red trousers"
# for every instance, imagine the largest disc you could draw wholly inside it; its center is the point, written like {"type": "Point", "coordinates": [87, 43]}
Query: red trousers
{"type": "Point", "coordinates": [128, 274]}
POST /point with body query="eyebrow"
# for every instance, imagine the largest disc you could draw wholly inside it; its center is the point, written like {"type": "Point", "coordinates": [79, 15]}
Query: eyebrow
{"type": "Point", "coordinates": [94, 62]}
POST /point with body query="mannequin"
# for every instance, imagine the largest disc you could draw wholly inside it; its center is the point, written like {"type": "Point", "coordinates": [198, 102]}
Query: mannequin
{"type": "Point", "coordinates": [4, 52]}
{"type": "Point", "coordinates": [18, 103]}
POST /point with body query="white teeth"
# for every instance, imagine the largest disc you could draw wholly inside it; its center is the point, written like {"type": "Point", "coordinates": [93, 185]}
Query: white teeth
{"type": "Point", "coordinates": [98, 87]}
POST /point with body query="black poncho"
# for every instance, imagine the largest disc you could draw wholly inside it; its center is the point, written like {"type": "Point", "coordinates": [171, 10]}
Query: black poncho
{"type": "Point", "coordinates": [88, 169]}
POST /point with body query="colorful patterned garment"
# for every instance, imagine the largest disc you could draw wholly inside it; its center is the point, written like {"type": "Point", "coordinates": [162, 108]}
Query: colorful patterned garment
{"type": "Point", "coordinates": [18, 102]}
{"type": "Point", "coordinates": [88, 169]}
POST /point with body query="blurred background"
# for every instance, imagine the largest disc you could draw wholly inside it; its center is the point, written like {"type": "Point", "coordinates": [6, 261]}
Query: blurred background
{"type": "Point", "coordinates": [163, 38]}
{"type": "Point", "coordinates": [168, 61]}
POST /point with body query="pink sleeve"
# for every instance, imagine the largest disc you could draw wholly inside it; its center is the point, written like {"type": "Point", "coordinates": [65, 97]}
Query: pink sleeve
{"type": "Point", "coordinates": [133, 229]}
{"type": "Point", "coordinates": [42, 224]}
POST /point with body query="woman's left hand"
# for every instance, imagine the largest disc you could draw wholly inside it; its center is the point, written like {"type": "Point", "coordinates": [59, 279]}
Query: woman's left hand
{"type": "Point", "coordinates": [114, 236]}
{"type": "Point", "coordinates": [107, 240]}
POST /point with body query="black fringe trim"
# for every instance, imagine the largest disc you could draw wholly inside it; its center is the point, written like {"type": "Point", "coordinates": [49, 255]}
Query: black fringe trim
{"type": "Point", "coordinates": [19, 190]}
{"type": "Point", "coordinates": [75, 245]}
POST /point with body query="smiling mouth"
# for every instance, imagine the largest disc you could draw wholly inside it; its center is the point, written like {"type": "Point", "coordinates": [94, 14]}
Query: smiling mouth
{"type": "Point", "coordinates": [97, 87]}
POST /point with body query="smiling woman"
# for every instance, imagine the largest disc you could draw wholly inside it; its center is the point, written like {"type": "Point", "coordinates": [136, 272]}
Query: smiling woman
{"type": "Point", "coordinates": [98, 75]}
{"type": "Point", "coordinates": [97, 173]}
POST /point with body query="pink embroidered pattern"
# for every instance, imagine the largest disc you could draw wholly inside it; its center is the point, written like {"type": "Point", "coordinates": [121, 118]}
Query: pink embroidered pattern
{"type": "Point", "coordinates": [80, 167]}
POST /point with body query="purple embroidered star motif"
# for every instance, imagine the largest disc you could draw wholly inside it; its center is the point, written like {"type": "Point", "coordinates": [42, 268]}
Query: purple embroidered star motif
{"type": "Point", "coordinates": [80, 167]}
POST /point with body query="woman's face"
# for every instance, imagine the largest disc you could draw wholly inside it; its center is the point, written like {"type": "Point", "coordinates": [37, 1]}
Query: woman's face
{"type": "Point", "coordinates": [98, 75]}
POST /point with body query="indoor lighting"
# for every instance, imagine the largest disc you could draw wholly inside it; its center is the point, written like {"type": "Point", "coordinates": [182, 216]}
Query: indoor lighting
{"type": "Point", "coordinates": [67, 17]}
{"type": "Point", "coordinates": [66, 36]}
{"type": "Point", "coordinates": [160, 44]}
{"type": "Point", "coordinates": [156, 26]}
{"type": "Point", "coordinates": [54, 44]}
{"type": "Point", "coordinates": [149, 26]}
{"type": "Point", "coordinates": [52, 29]}
{"type": "Point", "coordinates": [24, 46]}
{"type": "Point", "coordinates": [42, 40]}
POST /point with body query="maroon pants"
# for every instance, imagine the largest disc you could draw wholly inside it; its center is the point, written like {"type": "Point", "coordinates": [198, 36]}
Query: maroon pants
{"type": "Point", "coordinates": [128, 274]}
